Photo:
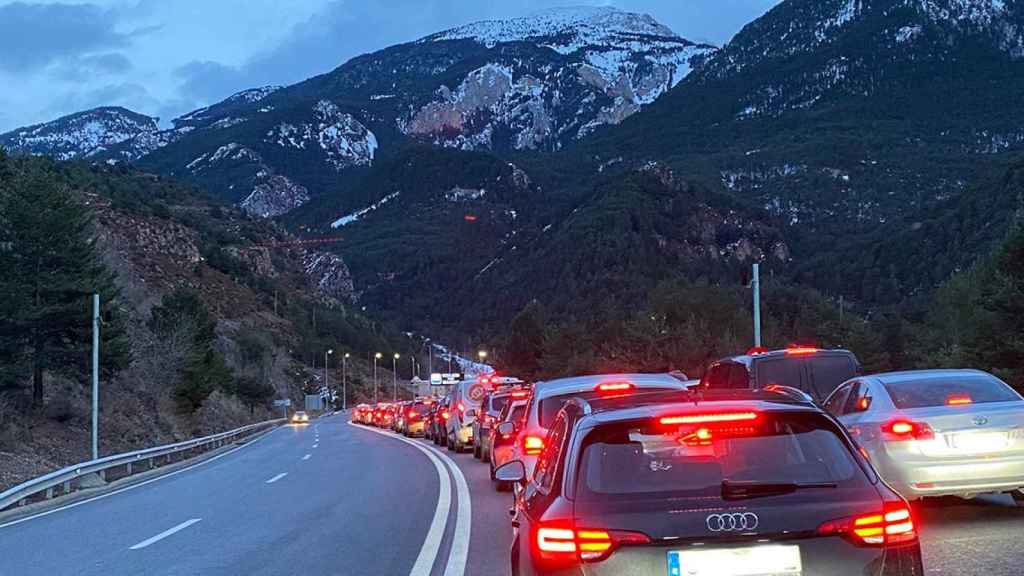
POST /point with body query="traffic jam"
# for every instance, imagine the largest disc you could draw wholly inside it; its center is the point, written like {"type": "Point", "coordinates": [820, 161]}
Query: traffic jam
{"type": "Point", "coordinates": [776, 463]}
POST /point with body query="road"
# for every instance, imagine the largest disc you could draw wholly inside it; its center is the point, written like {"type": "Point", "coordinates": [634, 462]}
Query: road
{"type": "Point", "coordinates": [333, 498]}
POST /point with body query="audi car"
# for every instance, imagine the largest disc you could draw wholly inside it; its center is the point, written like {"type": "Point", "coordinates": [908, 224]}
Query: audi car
{"type": "Point", "coordinates": [937, 432]}
{"type": "Point", "coordinates": [749, 483]}
{"type": "Point", "coordinates": [548, 397]}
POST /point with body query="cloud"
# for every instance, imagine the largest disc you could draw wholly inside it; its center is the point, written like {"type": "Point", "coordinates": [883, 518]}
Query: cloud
{"type": "Point", "coordinates": [33, 36]}
{"type": "Point", "coordinates": [89, 67]}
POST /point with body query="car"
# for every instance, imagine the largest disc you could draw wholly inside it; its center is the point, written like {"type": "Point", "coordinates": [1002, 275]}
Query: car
{"type": "Point", "coordinates": [300, 417]}
{"type": "Point", "coordinates": [379, 412]}
{"type": "Point", "coordinates": [428, 420]}
{"type": "Point", "coordinates": [398, 416]}
{"type": "Point", "coordinates": [706, 487]}
{"type": "Point", "coordinates": [937, 432]}
{"type": "Point", "coordinates": [817, 372]}
{"type": "Point", "coordinates": [361, 414]}
{"type": "Point", "coordinates": [413, 419]}
{"type": "Point", "coordinates": [490, 407]}
{"type": "Point", "coordinates": [439, 432]}
{"type": "Point", "coordinates": [464, 409]}
{"type": "Point", "coordinates": [549, 396]}
{"type": "Point", "coordinates": [503, 438]}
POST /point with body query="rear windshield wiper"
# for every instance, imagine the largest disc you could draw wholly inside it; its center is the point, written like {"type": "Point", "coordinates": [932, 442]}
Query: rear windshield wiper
{"type": "Point", "coordinates": [738, 490]}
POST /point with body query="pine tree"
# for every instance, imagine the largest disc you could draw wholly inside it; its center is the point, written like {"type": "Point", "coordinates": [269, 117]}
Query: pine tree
{"type": "Point", "coordinates": [49, 268]}
{"type": "Point", "coordinates": [526, 340]}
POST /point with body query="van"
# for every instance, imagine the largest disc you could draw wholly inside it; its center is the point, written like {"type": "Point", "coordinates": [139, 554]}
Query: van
{"type": "Point", "coordinates": [814, 371]}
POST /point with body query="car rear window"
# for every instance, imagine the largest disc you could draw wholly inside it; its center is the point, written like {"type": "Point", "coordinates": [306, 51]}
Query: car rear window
{"type": "Point", "coordinates": [517, 414]}
{"type": "Point", "coordinates": [549, 407]}
{"type": "Point", "coordinates": [641, 460]}
{"type": "Point", "coordinates": [421, 408]}
{"type": "Point", "coordinates": [928, 392]}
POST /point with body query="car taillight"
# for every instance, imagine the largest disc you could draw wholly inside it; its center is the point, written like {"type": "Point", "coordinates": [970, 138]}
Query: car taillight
{"type": "Point", "coordinates": [958, 400]}
{"type": "Point", "coordinates": [412, 415]}
{"type": "Point", "coordinates": [445, 414]}
{"type": "Point", "coordinates": [892, 526]}
{"type": "Point", "coordinates": [801, 351]}
{"type": "Point", "coordinates": [903, 430]}
{"type": "Point", "coordinates": [614, 388]}
{"type": "Point", "coordinates": [519, 395]}
{"type": "Point", "coordinates": [569, 546]}
{"type": "Point", "coordinates": [708, 418]}
{"type": "Point", "coordinates": [532, 445]}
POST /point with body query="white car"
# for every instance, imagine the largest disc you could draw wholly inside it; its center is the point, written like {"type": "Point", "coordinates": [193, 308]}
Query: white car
{"type": "Point", "coordinates": [937, 432]}
{"type": "Point", "coordinates": [466, 397]}
{"type": "Point", "coordinates": [549, 397]}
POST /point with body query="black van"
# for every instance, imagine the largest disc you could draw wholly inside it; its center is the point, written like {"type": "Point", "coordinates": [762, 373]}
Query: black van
{"type": "Point", "coordinates": [816, 372]}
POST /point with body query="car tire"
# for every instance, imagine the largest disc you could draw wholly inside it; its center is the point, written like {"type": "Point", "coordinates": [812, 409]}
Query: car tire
{"type": "Point", "coordinates": [490, 464]}
{"type": "Point", "coordinates": [477, 453]}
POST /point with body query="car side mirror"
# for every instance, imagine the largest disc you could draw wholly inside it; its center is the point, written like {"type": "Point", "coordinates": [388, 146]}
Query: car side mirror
{"type": "Point", "coordinates": [514, 472]}
{"type": "Point", "coordinates": [863, 403]}
{"type": "Point", "coordinates": [506, 428]}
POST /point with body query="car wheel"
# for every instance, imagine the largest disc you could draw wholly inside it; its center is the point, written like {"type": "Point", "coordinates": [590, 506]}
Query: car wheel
{"type": "Point", "coordinates": [491, 466]}
{"type": "Point", "coordinates": [477, 453]}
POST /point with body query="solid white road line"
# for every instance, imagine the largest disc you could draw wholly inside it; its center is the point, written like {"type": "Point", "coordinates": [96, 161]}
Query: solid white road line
{"type": "Point", "coordinates": [276, 478]}
{"type": "Point", "coordinates": [432, 543]}
{"type": "Point", "coordinates": [459, 552]}
{"type": "Point", "coordinates": [133, 486]}
{"type": "Point", "coordinates": [306, 457]}
{"type": "Point", "coordinates": [165, 534]}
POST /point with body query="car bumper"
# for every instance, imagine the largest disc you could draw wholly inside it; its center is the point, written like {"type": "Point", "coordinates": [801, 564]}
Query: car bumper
{"type": "Point", "coordinates": [415, 429]}
{"type": "Point", "coordinates": [962, 477]}
{"type": "Point", "coordinates": [464, 435]}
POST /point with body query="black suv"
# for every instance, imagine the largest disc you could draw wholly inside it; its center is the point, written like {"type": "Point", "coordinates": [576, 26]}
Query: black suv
{"type": "Point", "coordinates": [709, 485]}
{"type": "Point", "coordinates": [815, 372]}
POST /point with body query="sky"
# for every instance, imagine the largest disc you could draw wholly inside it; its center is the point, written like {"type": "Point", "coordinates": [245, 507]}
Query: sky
{"type": "Point", "coordinates": [167, 57]}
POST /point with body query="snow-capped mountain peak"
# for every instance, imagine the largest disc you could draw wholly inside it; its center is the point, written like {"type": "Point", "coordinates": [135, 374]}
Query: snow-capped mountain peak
{"type": "Point", "coordinates": [81, 134]}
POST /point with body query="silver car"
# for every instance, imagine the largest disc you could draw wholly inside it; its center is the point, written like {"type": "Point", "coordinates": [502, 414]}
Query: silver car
{"type": "Point", "coordinates": [937, 432]}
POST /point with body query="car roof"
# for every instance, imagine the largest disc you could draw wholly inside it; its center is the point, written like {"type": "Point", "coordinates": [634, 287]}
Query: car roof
{"type": "Point", "coordinates": [585, 383]}
{"type": "Point", "coordinates": [748, 359]}
{"type": "Point", "coordinates": [910, 375]}
{"type": "Point", "coordinates": [682, 408]}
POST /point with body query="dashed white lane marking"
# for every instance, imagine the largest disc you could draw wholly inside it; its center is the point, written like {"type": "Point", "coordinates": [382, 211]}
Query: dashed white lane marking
{"type": "Point", "coordinates": [276, 478]}
{"type": "Point", "coordinates": [138, 485]}
{"type": "Point", "coordinates": [432, 543]}
{"type": "Point", "coordinates": [306, 457]}
{"type": "Point", "coordinates": [165, 534]}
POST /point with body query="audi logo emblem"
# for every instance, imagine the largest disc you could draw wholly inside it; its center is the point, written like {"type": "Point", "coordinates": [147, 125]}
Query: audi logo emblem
{"type": "Point", "coordinates": [732, 522]}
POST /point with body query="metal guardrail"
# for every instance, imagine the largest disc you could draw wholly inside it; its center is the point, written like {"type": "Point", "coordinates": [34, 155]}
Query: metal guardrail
{"type": "Point", "coordinates": [65, 480]}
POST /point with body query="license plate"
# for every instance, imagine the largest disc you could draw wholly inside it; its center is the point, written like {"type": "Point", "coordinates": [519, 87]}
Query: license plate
{"type": "Point", "coordinates": [752, 561]}
{"type": "Point", "coordinates": [981, 441]}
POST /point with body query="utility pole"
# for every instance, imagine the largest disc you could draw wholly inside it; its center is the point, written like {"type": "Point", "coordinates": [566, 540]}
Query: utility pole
{"type": "Point", "coordinates": [327, 386]}
{"type": "Point", "coordinates": [756, 285]}
{"type": "Point", "coordinates": [394, 374]}
{"type": "Point", "coordinates": [430, 357]}
{"type": "Point", "coordinates": [344, 381]}
{"type": "Point", "coordinates": [376, 357]}
{"type": "Point", "coordinates": [95, 376]}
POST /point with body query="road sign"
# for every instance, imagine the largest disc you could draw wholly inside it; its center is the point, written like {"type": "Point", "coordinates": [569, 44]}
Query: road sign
{"type": "Point", "coordinates": [436, 379]}
{"type": "Point", "coordinates": [284, 402]}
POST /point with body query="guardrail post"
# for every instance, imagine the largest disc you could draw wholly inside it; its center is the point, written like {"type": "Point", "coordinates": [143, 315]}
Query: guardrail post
{"type": "Point", "coordinates": [66, 487]}
{"type": "Point", "coordinates": [129, 468]}
{"type": "Point", "coordinates": [49, 493]}
{"type": "Point", "coordinates": [103, 475]}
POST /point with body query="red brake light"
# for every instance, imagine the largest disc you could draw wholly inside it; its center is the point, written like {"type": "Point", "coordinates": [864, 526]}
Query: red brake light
{"type": "Point", "coordinates": [958, 400]}
{"type": "Point", "coordinates": [708, 418]}
{"type": "Point", "coordinates": [901, 430]}
{"type": "Point", "coordinates": [520, 394]}
{"type": "Point", "coordinates": [568, 546]}
{"type": "Point", "coordinates": [757, 350]}
{"type": "Point", "coordinates": [445, 414]}
{"type": "Point", "coordinates": [614, 388]}
{"type": "Point", "coordinates": [801, 350]}
{"type": "Point", "coordinates": [533, 445]}
{"type": "Point", "coordinates": [894, 525]}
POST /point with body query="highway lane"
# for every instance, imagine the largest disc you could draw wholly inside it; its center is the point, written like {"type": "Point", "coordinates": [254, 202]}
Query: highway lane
{"type": "Point", "coordinates": [319, 499]}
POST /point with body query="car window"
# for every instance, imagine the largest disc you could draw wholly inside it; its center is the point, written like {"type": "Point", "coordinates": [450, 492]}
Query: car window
{"type": "Point", "coordinates": [739, 378]}
{"type": "Point", "coordinates": [828, 372]}
{"type": "Point", "coordinates": [550, 406]}
{"type": "Point", "coordinates": [968, 389]}
{"type": "Point", "coordinates": [780, 371]}
{"type": "Point", "coordinates": [518, 413]}
{"type": "Point", "coordinates": [547, 464]}
{"type": "Point", "coordinates": [834, 405]}
{"type": "Point", "coordinates": [642, 460]}
{"type": "Point", "coordinates": [717, 376]}
{"type": "Point", "coordinates": [498, 402]}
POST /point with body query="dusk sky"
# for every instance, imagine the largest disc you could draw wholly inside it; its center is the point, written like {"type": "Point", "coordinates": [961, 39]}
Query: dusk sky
{"type": "Point", "coordinates": [167, 57]}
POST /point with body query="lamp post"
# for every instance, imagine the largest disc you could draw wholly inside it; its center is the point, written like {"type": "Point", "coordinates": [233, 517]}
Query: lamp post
{"type": "Point", "coordinates": [376, 357]}
{"type": "Point", "coordinates": [394, 374]}
{"type": "Point", "coordinates": [327, 386]}
{"type": "Point", "coordinates": [344, 381]}
{"type": "Point", "coordinates": [482, 355]}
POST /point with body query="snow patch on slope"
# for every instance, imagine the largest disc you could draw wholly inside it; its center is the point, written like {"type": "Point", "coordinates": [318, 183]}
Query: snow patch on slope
{"type": "Point", "coordinates": [353, 217]}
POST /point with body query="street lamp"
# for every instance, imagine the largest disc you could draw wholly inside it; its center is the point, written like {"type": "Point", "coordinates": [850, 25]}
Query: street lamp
{"type": "Point", "coordinates": [344, 381]}
{"type": "Point", "coordinates": [394, 373]}
{"type": "Point", "coordinates": [376, 357]}
{"type": "Point", "coordinates": [482, 355]}
{"type": "Point", "coordinates": [327, 386]}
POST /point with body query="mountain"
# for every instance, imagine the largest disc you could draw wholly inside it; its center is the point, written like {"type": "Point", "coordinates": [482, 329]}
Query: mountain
{"type": "Point", "coordinates": [534, 83]}
{"type": "Point", "coordinates": [86, 134]}
{"type": "Point", "coordinates": [850, 120]}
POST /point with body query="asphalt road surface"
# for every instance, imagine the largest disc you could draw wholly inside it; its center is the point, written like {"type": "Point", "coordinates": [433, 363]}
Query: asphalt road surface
{"type": "Point", "coordinates": [333, 498]}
